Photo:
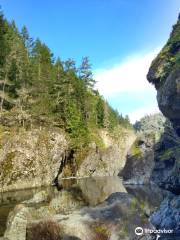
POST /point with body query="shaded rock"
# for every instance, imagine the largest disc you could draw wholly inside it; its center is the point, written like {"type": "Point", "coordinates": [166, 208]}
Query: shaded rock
{"type": "Point", "coordinates": [140, 162]}
{"type": "Point", "coordinates": [144, 193]}
{"type": "Point", "coordinates": [117, 216]}
{"type": "Point", "coordinates": [167, 161]}
{"type": "Point", "coordinates": [164, 73]}
{"type": "Point", "coordinates": [119, 196]}
{"type": "Point", "coordinates": [140, 158]}
{"type": "Point", "coordinates": [168, 215]}
{"type": "Point", "coordinates": [66, 237]}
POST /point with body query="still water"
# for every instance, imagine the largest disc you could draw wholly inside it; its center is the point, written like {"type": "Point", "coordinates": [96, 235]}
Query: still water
{"type": "Point", "coordinates": [105, 198]}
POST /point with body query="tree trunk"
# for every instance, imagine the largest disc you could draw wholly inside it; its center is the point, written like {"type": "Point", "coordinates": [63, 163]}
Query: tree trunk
{"type": "Point", "coordinates": [3, 92]}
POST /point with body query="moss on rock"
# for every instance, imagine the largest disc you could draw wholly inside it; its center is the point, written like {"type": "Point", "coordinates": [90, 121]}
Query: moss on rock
{"type": "Point", "coordinates": [167, 60]}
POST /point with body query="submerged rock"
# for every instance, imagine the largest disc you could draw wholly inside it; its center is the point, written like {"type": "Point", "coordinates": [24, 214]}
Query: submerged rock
{"type": "Point", "coordinates": [71, 211]}
{"type": "Point", "coordinates": [17, 222]}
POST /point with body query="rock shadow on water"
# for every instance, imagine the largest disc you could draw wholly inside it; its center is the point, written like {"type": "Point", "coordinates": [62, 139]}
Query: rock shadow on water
{"type": "Point", "coordinates": [85, 208]}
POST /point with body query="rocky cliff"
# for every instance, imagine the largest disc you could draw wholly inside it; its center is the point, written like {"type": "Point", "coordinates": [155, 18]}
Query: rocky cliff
{"type": "Point", "coordinates": [38, 155]}
{"type": "Point", "coordinates": [141, 157]}
{"type": "Point", "coordinates": [30, 158]}
{"type": "Point", "coordinates": [86, 209]}
{"type": "Point", "coordinates": [155, 155]}
{"type": "Point", "coordinates": [111, 159]}
{"type": "Point", "coordinates": [164, 73]}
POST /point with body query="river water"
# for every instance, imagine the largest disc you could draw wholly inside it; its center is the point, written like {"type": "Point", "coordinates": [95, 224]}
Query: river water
{"type": "Point", "coordinates": [96, 197]}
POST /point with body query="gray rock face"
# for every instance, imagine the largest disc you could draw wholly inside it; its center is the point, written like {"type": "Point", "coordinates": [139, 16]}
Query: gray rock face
{"type": "Point", "coordinates": [30, 158]}
{"type": "Point", "coordinates": [140, 159]}
{"type": "Point", "coordinates": [17, 221]}
{"type": "Point", "coordinates": [116, 218]}
{"type": "Point", "coordinates": [167, 163]}
{"type": "Point", "coordinates": [168, 215]}
{"type": "Point", "coordinates": [144, 195]}
{"type": "Point", "coordinates": [139, 163]}
{"type": "Point", "coordinates": [78, 214]}
{"type": "Point", "coordinates": [164, 73]}
{"type": "Point", "coordinates": [110, 160]}
{"type": "Point", "coordinates": [168, 97]}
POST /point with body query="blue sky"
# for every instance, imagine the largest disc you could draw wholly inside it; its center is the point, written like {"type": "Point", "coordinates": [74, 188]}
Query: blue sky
{"type": "Point", "coordinates": [121, 37]}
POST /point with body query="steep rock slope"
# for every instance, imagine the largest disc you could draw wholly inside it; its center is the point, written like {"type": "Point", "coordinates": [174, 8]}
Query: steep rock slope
{"type": "Point", "coordinates": [30, 158]}
{"type": "Point", "coordinates": [164, 73]}
{"type": "Point", "coordinates": [110, 160]}
{"type": "Point", "coordinates": [38, 156]}
{"type": "Point", "coordinates": [140, 159]}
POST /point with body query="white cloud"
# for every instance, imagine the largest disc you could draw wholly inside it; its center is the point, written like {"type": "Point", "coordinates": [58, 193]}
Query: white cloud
{"type": "Point", "coordinates": [129, 78]}
{"type": "Point", "coordinates": [141, 112]}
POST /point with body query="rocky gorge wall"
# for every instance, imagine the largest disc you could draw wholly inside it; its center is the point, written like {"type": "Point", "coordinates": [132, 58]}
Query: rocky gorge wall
{"type": "Point", "coordinates": [164, 73]}
{"type": "Point", "coordinates": [153, 159]}
{"type": "Point", "coordinates": [30, 158]}
{"type": "Point", "coordinates": [35, 157]}
{"type": "Point", "coordinates": [110, 160]}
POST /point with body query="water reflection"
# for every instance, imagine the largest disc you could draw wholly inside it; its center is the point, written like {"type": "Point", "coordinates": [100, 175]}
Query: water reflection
{"type": "Point", "coordinates": [95, 190]}
{"type": "Point", "coordinates": [8, 200]}
{"type": "Point", "coordinates": [90, 201]}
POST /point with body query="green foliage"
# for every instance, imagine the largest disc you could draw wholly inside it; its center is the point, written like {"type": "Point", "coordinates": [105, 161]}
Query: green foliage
{"type": "Point", "coordinates": [169, 153]}
{"type": "Point", "coordinates": [113, 118]}
{"type": "Point", "coordinates": [85, 73]}
{"type": "Point", "coordinates": [34, 83]}
{"type": "Point", "coordinates": [136, 151]}
{"type": "Point", "coordinates": [101, 232]}
{"type": "Point", "coordinates": [151, 126]}
{"type": "Point", "coordinates": [100, 112]}
{"type": "Point", "coordinates": [168, 59]}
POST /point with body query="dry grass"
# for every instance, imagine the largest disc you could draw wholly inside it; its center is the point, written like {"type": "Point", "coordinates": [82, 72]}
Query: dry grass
{"type": "Point", "coordinates": [101, 232]}
{"type": "Point", "coordinates": [45, 230]}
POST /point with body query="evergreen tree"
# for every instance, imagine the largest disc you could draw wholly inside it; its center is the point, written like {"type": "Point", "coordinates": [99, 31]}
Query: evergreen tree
{"type": "Point", "coordinates": [85, 73]}
{"type": "Point", "coordinates": [100, 112]}
{"type": "Point", "coordinates": [31, 81]}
